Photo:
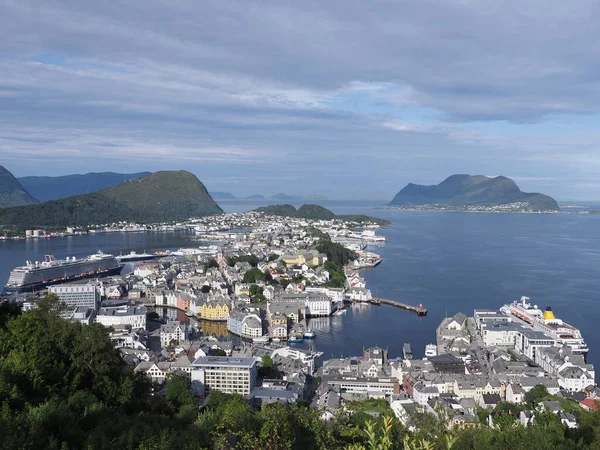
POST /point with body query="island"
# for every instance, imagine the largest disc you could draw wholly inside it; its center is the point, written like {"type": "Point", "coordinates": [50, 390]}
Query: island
{"type": "Point", "coordinates": [318, 212]}
{"type": "Point", "coordinates": [473, 193]}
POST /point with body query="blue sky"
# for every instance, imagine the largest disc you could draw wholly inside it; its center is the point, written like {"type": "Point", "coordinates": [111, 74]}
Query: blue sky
{"type": "Point", "coordinates": [350, 99]}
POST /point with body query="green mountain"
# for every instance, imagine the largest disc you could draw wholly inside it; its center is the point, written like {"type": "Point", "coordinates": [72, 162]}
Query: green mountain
{"type": "Point", "coordinates": [53, 188]}
{"type": "Point", "coordinates": [160, 196]}
{"type": "Point", "coordinates": [12, 192]}
{"type": "Point", "coordinates": [465, 190]}
{"type": "Point", "coordinates": [317, 212]}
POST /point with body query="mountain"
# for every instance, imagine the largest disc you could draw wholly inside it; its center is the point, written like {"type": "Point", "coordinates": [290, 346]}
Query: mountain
{"type": "Point", "coordinates": [160, 196]}
{"type": "Point", "coordinates": [317, 212]}
{"type": "Point", "coordinates": [53, 188]}
{"type": "Point", "coordinates": [222, 195]}
{"type": "Point", "coordinates": [12, 192]}
{"type": "Point", "coordinates": [255, 197]}
{"type": "Point", "coordinates": [286, 197]}
{"type": "Point", "coordinates": [461, 191]}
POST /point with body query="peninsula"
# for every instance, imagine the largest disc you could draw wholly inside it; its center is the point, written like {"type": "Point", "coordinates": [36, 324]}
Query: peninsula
{"type": "Point", "coordinates": [473, 193]}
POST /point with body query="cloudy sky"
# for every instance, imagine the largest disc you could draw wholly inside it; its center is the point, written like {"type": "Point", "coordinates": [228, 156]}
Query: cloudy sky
{"type": "Point", "coordinates": [349, 98]}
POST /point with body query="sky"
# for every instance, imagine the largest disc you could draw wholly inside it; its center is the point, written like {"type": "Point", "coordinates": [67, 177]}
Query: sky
{"type": "Point", "coordinates": [350, 99]}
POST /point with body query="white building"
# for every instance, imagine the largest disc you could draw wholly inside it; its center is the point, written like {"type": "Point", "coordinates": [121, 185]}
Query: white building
{"type": "Point", "coordinates": [172, 331]}
{"type": "Point", "coordinates": [225, 374]}
{"type": "Point", "coordinates": [165, 298]}
{"type": "Point", "coordinates": [500, 333]}
{"type": "Point", "coordinates": [120, 316]}
{"type": "Point", "coordinates": [529, 342]}
{"type": "Point", "coordinates": [75, 295]}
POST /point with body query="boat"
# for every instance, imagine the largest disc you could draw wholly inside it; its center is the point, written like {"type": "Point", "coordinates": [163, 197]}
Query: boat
{"type": "Point", "coordinates": [134, 256]}
{"type": "Point", "coordinates": [547, 322]}
{"type": "Point", "coordinates": [309, 334]}
{"type": "Point", "coordinates": [35, 276]}
{"type": "Point", "coordinates": [430, 350]}
{"type": "Point", "coordinates": [407, 351]}
{"type": "Point", "coordinates": [260, 340]}
{"type": "Point", "coordinates": [296, 338]}
{"type": "Point", "coordinates": [339, 312]}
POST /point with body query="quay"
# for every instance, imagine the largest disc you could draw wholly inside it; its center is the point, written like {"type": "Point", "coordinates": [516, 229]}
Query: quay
{"type": "Point", "coordinates": [416, 309]}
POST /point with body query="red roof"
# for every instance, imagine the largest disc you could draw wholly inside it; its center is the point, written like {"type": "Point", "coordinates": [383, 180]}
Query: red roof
{"type": "Point", "coordinates": [590, 403]}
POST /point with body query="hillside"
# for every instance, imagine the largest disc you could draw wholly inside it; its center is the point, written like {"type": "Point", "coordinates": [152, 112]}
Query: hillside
{"type": "Point", "coordinates": [53, 188]}
{"type": "Point", "coordinates": [12, 192]}
{"type": "Point", "coordinates": [460, 191]}
{"type": "Point", "coordinates": [317, 212]}
{"type": "Point", "coordinates": [161, 196]}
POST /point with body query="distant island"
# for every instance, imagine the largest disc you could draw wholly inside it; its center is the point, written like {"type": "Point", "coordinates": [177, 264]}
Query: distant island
{"type": "Point", "coordinates": [12, 192]}
{"type": "Point", "coordinates": [222, 195]}
{"type": "Point", "coordinates": [160, 196]}
{"type": "Point", "coordinates": [473, 193]}
{"type": "Point", "coordinates": [52, 188]}
{"type": "Point", "coordinates": [287, 197]}
{"type": "Point", "coordinates": [318, 212]}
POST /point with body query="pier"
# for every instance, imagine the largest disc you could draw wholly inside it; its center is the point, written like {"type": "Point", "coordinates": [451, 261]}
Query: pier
{"type": "Point", "coordinates": [416, 309]}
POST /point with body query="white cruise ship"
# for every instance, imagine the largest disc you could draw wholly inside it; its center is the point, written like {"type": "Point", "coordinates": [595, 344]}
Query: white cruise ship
{"type": "Point", "coordinates": [546, 322]}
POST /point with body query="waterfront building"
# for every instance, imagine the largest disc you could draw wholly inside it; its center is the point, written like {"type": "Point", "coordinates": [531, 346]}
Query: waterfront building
{"type": "Point", "coordinates": [488, 317]}
{"type": "Point", "coordinates": [571, 370]}
{"type": "Point", "coordinates": [499, 333]}
{"type": "Point", "coordinates": [225, 374]}
{"type": "Point", "coordinates": [147, 269]}
{"type": "Point", "coordinates": [172, 332]}
{"type": "Point", "coordinates": [75, 295]}
{"type": "Point", "coordinates": [166, 298]}
{"type": "Point", "coordinates": [217, 309]}
{"type": "Point", "coordinates": [245, 323]}
{"type": "Point", "coordinates": [528, 342]}
{"type": "Point", "coordinates": [121, 316]}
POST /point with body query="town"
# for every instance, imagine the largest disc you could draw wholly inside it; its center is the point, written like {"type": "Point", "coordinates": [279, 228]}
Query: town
{"type": "Point", "coordinates": [226, 316]}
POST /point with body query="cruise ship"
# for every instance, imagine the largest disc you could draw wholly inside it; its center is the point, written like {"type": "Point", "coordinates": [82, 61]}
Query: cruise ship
{"type": "Point", "coordinates": [135, 257]}
{"type": "Point", "coordinates": [548, 323]}
{"type": "Point", "coordinates": [34, 276]}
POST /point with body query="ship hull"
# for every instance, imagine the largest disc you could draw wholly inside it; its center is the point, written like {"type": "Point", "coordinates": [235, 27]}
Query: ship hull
{"type": "Point", "coordinates": [34, 287]}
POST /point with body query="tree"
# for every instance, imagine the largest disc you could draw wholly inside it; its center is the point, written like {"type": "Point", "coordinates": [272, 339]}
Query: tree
{"type": "Point", "coordinates": [179, 390]}
{"type": "Point", "coordinates": [536, 394]}
{"type": "Point", "coordinates": [267, 362]}
{"type": "Point", "coordinates": [253, 275]}
{"type": "Point", "coordinates": [152, 315]}
{"type": "Point", "coordinates": [273, 257]}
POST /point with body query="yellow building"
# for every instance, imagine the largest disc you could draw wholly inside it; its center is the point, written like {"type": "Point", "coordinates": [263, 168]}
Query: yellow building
{"type": "Point", "coordinates": [308, 258]}
{"type": "Point", "coordinates": [214, 310]}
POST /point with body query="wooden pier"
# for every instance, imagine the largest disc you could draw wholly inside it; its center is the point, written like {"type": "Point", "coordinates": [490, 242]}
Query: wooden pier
{"type": "Point", "coordinates": [416, 309]}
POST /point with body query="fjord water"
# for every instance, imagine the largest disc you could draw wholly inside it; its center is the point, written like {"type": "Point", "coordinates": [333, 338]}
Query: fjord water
{"type": "Point", "coordinates": [450, 262]}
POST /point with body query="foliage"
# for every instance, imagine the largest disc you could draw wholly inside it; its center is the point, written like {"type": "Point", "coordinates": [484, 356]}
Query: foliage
{"type": "Point", "coordinates": [179, 390]}
{"type": "Point", "coordinates": [253, 275]}
{"type": "Point", "coordinates": [316, 212]}
{"type": "Point", "coordinates": [152, 315]}
{"type": "Point", "coordinates": [251, 259]}
{"type": "Point", "coordinates": [363, 219]}
{"type": "Point", "coordinates": [536, 395]}
{"type": "Point", "coordinates": [336, 253]}
{"type": "Point", "coordinates": [273, 257]}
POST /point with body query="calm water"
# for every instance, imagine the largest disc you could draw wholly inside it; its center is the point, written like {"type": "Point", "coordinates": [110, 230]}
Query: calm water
{"type": "Point", "coordinates": [450, 262]}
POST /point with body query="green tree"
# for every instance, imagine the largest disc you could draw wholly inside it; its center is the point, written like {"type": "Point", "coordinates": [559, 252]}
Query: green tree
{"type": "Point", "coordinates": [179, 390]}
{"type": "Point", "coordinates": [253, 275]}
{"type": "Point", "coordinates": [536, 395]}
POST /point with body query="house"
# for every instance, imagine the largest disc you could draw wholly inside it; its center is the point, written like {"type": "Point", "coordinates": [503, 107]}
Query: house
{"type": "Point", "coordinates": [458, 322]}
{"type": "Point", "coordinates": [172, 332]}
{"type": "Point", "coordinates": [215, 309]}
{"type": "Point", "coordinates": [515, 393]}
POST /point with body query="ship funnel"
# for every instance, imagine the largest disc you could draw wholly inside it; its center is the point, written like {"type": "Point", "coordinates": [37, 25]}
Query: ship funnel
{"type": "Point", "coordinates": [548, 314]}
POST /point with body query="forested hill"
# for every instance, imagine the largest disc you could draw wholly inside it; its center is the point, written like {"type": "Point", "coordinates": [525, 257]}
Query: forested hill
{"type": "Point", "coordinates": [12, 192]}
{"type": "Point", "coordinates": [160, 196]}
{"type": "Point", "coordinates": [317, 212]}
{"type": "Point", "coordinates": [467, 190]}
{"type": "Point", "coordinates": [53, 188]}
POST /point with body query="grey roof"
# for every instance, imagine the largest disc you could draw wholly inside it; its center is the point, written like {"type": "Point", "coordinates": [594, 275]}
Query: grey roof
{"type": "Point", "coordinates": [224, 361]}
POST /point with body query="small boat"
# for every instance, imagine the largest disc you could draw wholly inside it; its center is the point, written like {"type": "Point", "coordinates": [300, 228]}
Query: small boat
{"type": "Point", "coordinates": [309, 334]}
{"type": "Point", "coordinates": [276, 340]}
{"type": "Point", "coordinates": [297, 338]}
{"type": "Point", "coordinates": [339, 312]}
{"type": "Point", "coordinates": [407, 352]}
{"type": "Point", "coordinates": [260, 340]}
{"type": "Point", "coordinates": [430, 350]}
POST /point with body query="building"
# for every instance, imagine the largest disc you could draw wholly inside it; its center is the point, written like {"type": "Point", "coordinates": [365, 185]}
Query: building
{"type": "Point", "coordinates": [529, 342]}
{"type": "Point", "coordinates": [215, 310]}
{"type": "Point", "coordinates": [225, 374]}
{"type": "Point", "coordinates": [121, 316]}
{"type": "Point", "coordinates": [75, 295]}
{"type": "Point", "coordinates": [499, 333]}
{"type": "Point", "coordinates": [447, 363]}
{"type": "Point", "coordinates": [172, 332]}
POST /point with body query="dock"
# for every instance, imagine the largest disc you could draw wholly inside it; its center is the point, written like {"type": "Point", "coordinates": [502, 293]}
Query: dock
{"type": "Point", "coordinates": [416, 309]}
